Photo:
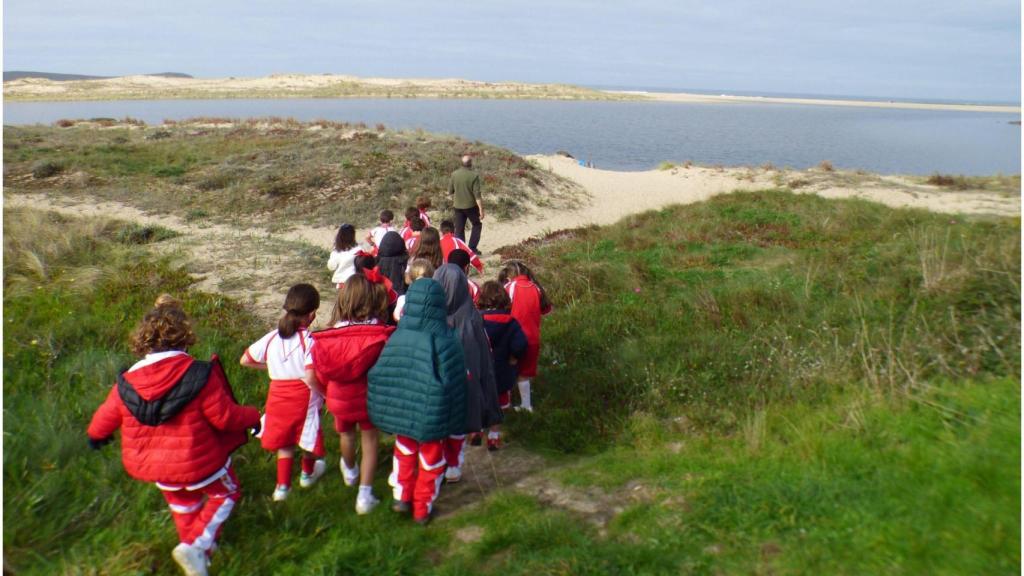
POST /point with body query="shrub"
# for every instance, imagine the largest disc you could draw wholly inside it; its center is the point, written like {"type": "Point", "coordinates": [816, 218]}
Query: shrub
{"type": "Point", "coordinates": [666, 166]}
{"type": "Point", "coordinates": [825, 166]}
{"type": "Point", "coordinates": [64, 123]}
{"type": "Point", "coordinates": [47, 168]}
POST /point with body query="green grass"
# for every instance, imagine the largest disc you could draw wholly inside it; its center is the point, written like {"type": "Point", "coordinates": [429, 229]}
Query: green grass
{"type": "Point", "coordinates": [800, 386]}
{"type": "Point", "coordinates": [268, 171]}
{"type": "Point", "coordinates": [715, 309]}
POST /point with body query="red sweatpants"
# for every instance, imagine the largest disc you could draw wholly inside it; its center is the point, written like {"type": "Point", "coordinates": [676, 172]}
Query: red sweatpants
{"type": "Point", "coordinates": [199, 523]}
{"type": "Point", "coordinates": [419, 468]}
{"type": "Point", "coordinates": [454, 453]}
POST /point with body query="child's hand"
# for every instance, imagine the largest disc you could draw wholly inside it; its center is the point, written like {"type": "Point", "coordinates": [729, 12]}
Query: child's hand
{"type": "Point", "coordinates": [97, 444]}
{"type": "Point", "coordinates": [258, 428]}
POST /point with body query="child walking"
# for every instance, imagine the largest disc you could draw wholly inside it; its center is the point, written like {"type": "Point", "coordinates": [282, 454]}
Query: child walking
{"type": "Point", "coordinates": [341, 358]}
{"type": "Point", "coordinates": [378, 232]}
{"type": "Point", "coordinates": [179, 425]}
{"type": "Point", "coordinates": [417, 391]}
{"type": "Point", "coordinates": [417, 269]}
{"type": "Point", "coordinates": [343, 256]}
{"type": "Point", "coordinates": [482, 409]}
{"type": "Point", "coordinates": [529, 304]}
{"type": "Point", "coordinates": [392, 259]}
{"type": "Point", "coordinates": [451, 242]}
{"type": "Point", "coordinates": [292, 413]}
{"type": "Point", "coordinates": [508, 345]}
{"type": "Point", "coordinates": [423, 204]}
{"type": "Point", "coordinates": [462, 259]}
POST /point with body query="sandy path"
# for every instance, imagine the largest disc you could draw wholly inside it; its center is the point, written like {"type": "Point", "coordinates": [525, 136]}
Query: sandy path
{"type": "Point", "coordinates": [257, 267]}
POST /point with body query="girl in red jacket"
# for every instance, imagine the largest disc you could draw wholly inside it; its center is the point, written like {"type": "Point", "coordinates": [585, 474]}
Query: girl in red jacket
{"type": "Point", "coordinates": [529, 304]}
{"type": "Point", "coordinates": [341, 358]}
{"type": "Point", "coordinates": [292, 413]}
{"type": "Point", "coordinates": [179, 425]}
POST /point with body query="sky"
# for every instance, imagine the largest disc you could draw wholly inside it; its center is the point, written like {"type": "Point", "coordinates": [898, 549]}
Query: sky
{"type": "Point", "coordinates": [941, 49]}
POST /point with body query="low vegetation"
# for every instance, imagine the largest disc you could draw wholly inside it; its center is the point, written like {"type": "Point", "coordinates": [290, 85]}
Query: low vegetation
{"type": "Point", "coordinates": [268, 172]}
{"type": "Point", "coordinates": [762, 383]}
{"type": "Point", "coordinates": [998, 183]}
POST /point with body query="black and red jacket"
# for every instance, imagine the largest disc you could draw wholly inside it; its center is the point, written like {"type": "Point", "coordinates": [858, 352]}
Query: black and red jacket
{"type": "Point", "coordinates": [507, 341]}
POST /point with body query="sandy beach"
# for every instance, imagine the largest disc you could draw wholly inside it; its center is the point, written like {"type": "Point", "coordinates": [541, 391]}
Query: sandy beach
{"type": "Point", "coordinates": [347, 86]}
{"type": "Point", "coordinates": [615, 195]}
{"type": "Point", "coordinates": [690, 98]}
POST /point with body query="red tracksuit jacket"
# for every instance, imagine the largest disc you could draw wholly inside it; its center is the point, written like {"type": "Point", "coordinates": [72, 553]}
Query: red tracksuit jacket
{"type": "Point", "coordinates": [341, 358]}
{"type": "Point", "coordinates": [191, 445]}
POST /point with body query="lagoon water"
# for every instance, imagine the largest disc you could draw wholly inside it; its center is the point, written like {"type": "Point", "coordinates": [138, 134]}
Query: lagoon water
{"type": "Point", "coordinates": [638, 135]}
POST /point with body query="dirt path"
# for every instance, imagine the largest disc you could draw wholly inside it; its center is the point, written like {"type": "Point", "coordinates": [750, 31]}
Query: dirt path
{"type": "Point", "coordinates": [256, 267]}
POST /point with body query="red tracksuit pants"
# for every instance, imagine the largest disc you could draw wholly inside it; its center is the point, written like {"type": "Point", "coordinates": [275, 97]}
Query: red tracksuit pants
{"type": "Point", "coordinates": [419, 470]}
{"type": "Point", "coordinates": [199, 523]}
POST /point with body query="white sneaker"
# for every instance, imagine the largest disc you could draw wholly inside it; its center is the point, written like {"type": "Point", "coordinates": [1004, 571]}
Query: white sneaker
{"type": "Point", "coordinates": [281, 493]}
{"type": "Point", "coordinates": [453, 474]}
{"type": "Point", "coordinates": [307, 480]}
{"type": "Point", "coordinates": [191, 559]}
{"type": "Point", "coordinates": [349, 475]}
{"type": "Point", "coordinates": [366, 505]}
{"type": "Point", "coordinates": [524, 409]}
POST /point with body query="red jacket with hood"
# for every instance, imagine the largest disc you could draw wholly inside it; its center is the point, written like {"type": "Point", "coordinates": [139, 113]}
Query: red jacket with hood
{"type": "Point", "coordinates": [341, 358]}
{"type": "Point", "coordinates": [192, 444]}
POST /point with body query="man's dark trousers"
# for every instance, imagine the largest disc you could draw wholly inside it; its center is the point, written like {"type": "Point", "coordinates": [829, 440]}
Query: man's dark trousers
{"type": "Point", "coordinates": [473, 214]}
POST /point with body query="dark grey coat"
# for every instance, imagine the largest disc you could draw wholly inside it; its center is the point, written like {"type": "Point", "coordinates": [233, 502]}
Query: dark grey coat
{"type": "Point", "coordinates": [482, 407]}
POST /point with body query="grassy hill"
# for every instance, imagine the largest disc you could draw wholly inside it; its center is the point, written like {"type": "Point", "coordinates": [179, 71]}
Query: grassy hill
{"type": "Point", "coordinates": [762, 383]}
{"type": "Point", "coordinates": [267, 172]}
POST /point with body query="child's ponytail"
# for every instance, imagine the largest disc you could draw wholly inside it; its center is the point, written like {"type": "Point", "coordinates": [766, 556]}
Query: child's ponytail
{"type": "Point", "coordinates": [302, 299]}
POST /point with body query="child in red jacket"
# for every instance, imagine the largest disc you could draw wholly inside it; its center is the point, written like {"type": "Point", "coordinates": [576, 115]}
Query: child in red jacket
{"type": "Point", "coordinates": [341, 358]}
{"type": "Point", "coordinates": [529, 304]}
{"type": "Point", "coordinates": [292, 413]}
{"type": "Point", "coordinates": [179, 425]}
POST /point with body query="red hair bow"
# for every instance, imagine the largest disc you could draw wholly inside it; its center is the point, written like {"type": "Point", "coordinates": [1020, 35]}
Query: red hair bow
{"type": "Point", "coordinates": [374, 276]}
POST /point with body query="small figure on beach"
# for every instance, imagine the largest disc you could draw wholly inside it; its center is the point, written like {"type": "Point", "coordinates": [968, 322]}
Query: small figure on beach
{"type": "Point", "coordinates": [468, 204]}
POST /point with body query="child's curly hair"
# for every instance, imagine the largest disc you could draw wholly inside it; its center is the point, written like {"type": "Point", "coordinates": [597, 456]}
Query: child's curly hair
{"type": "Point", "coordinates": [165, 327]}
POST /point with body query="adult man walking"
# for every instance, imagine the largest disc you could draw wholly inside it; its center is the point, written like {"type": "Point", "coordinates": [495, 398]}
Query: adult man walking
{"type": "Point", "coordinates": [465, 184]}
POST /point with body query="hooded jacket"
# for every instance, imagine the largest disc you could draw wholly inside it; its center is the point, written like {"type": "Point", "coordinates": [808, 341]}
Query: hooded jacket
{"type": "Point", "coordinates": [418, 386]}
{"type": "Point", "coordinates": [178, 418]}
{"type": "Point", "coordinates": [482, 406]}
{"type": "Point", "coordinates": [341, 358]}
{"type": "Point", "coordinates": [392, 258]}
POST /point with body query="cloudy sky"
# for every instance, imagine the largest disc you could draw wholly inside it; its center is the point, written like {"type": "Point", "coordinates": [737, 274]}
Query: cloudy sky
{"type": "Point", "coordinates": [946, 49]}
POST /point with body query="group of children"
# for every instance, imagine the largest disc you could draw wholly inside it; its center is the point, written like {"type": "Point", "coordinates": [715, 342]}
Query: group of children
{"type": "Point", "coordinates": [414, 348]}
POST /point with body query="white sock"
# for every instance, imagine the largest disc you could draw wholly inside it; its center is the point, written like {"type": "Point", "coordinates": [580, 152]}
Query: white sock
{"type": "Point", "coordinates": [365, 492]}
{"type": "Point", "coordinates": [493, 435]}
{"type": "Point", "coordinates": [524, 393]}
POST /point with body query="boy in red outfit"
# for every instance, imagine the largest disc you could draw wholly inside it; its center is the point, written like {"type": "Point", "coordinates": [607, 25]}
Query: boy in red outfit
{"type": "Point", "coordinates": [179, 425]}
{"type": "Point", "coordinates": [450, 242]}
{"type": "Point", "coordinates": [529, 304]}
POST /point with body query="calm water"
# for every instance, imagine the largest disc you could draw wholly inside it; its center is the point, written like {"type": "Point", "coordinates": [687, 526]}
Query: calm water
{"type": "Point", "coordinates": [639, 135]}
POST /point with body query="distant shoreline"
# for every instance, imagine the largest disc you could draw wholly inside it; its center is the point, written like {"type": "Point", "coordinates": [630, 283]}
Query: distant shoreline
{"type": "Point", "coordinates": [692, 98]}
{"type": "Point", "coordinates": [333, 86]}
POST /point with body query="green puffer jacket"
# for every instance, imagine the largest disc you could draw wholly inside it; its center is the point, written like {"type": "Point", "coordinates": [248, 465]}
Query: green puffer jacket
{"type": "Point", "coordinates": [418, 386]}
